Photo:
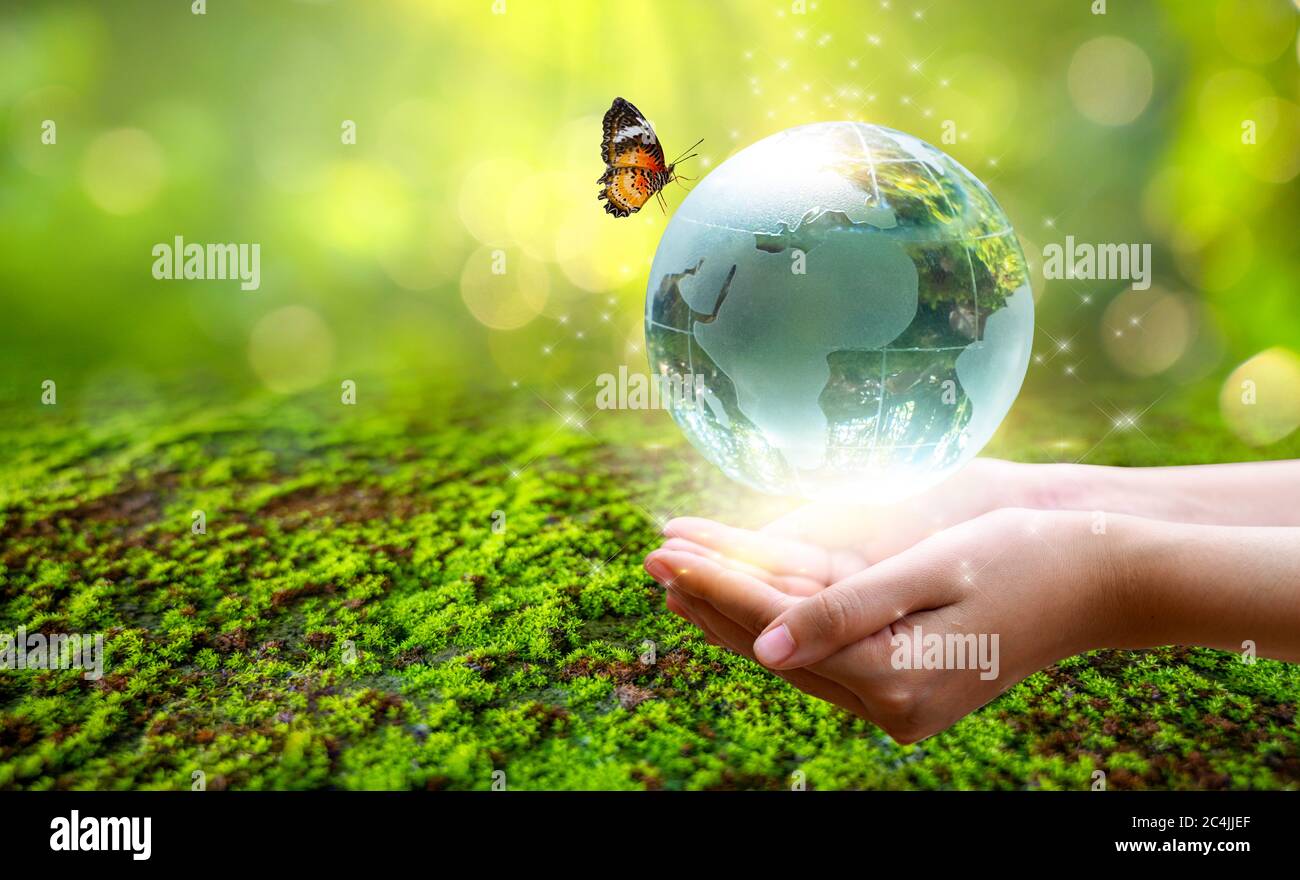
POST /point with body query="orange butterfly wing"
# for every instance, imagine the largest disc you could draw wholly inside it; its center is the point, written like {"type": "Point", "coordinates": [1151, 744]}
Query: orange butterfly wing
{"type": "Point", "coordinates": [628, 188]}
{"type": "Point", "coordinates": [634, 160]}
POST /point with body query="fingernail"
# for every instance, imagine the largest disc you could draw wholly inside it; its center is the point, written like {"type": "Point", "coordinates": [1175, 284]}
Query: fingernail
{"type": "Point", "coordinates": [659, 571]}
{"type": "Point", "coordinates": [774, 646]}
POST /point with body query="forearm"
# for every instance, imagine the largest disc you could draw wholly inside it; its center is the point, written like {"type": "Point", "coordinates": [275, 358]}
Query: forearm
{"type": "Point", "coordinates": [1243, 494]}
{"type": "Point", "coordinates": [1215, 586]}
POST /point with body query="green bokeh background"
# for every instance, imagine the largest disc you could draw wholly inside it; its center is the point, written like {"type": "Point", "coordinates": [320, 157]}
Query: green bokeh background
{"type": "Point", "coordinates": [479, 130]}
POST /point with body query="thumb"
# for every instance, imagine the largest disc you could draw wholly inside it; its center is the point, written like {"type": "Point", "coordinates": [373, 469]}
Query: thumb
{"type": "Point", "coordinates": [823, 623]}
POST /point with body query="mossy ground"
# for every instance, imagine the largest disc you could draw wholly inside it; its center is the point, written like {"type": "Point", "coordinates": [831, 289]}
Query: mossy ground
{"type": "Point", "coordinates": [366, 534]}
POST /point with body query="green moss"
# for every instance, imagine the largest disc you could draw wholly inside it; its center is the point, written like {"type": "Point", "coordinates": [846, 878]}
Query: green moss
{"type": "Point", "coordinates": [355, 616]}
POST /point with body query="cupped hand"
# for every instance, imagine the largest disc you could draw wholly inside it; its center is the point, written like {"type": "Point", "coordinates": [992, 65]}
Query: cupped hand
{"type": "Point", "coordinates": [1005, 594]}
{"type": "Point", "coordinates": [819, 544]}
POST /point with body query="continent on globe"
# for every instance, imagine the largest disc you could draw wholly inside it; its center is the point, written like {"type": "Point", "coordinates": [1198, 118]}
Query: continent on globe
{"type": "Point", "coordinates": [857, 305]}
{"type": "Point", "coordinates": [774, 344]}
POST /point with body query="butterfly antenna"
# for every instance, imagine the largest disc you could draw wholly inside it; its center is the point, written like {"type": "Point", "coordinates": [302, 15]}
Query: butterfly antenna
{"type": "Point", "coordinates": [684, 156]}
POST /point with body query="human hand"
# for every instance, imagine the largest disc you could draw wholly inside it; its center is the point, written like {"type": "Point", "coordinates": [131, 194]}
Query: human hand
{"type": "Point", "coordinates": [1019, 588]}
{"type": "Point", "coordinates": [818, 544]}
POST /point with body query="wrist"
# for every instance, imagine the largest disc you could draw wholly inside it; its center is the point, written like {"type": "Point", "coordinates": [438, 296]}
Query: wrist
{"type": "Point", "coordinates": [1122, 554]}
{"type": "Point", "coordinates": [1115, 490]}
{"type": "Point", "coordinates": [1151, 493]}
{"type": "Point", "coordinates": [1154, 581]}
{"type": "Point", "coordinates": [1059, 486]}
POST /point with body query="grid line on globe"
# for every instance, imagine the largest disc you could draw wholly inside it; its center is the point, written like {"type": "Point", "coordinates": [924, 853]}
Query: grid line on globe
{"type": "Point", "coordinates": [854, 310]}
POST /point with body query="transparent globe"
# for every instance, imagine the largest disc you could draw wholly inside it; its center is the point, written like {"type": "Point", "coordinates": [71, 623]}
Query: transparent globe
{"type": "Point", "coordinates": [839, 311]}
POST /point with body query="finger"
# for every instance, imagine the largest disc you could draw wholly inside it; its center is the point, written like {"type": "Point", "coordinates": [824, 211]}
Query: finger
{"type": "Point", "coordinates": [678, 606]}
{"type": "Point", "coordinates": [728, 633]}
{"type": "Point", "coordinates": [707, 618]}
{"type": "Point", "coordinates": [797, 585]}
{"type": "Point", "coordinates": [848, 611]}
{"type": "Point", "coordinates": [774, 553]}
{"type": "Point", "coordinates": [748, 601]}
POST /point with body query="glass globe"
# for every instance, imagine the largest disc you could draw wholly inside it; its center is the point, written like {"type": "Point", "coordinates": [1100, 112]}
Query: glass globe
{"type": "Point", "coordinates": [839, 311]}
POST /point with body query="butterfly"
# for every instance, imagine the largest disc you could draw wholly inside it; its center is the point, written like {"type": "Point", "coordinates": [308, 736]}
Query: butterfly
{"type": "Point", "coordinates": [634, 161]}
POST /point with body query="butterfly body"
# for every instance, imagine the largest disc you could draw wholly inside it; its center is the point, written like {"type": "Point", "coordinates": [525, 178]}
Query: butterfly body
{"type": "Point", "coordinates": [635, 170]}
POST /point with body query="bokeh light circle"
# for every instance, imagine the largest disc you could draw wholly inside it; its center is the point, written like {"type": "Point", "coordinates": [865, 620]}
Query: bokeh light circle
{"type": "Point", "coordinates": [1110, 80]}
{"type": "Point", "coordinates": [122, 170]}
{"type": "Point", "coordinates": [1146, 331]}
{"type": "Point", "coordinates": [1222, 102]}
{"type": "Point", "coordinates": [1260, 400]}
{"type": "Point", "coordinates": [1255, 31]}
{"type": "Point", "coordinates": [592, 252]}
{"type": "Point", "coordinates": [1275, 155]}
{"type": "Point", "coordinates": [291, 349]}
{"type": "Point", "coordinates": [504, 288]}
